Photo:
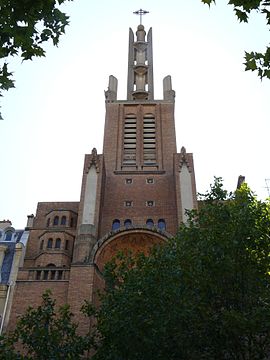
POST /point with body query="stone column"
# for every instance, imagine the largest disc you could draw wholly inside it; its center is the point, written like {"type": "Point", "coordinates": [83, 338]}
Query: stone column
{"type": "Point", "coordinates": [3, 249]}
{"type": "Point", "coordinates": [16, 263]}
{"type": "Point", "coordinates": [12, 280]}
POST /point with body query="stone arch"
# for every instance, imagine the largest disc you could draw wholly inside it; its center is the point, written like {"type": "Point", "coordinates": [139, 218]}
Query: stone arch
{"type": "Point", "coordinates": [134, 240]}
{"type": "Point", "coordinates": [51, 265]}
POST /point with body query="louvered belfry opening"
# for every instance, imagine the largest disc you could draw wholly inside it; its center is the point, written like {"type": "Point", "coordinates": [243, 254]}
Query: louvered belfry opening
{"type": "Point", "coordinates": [149, 139]}
{"type": "Point", "coordinates": [130, 134]}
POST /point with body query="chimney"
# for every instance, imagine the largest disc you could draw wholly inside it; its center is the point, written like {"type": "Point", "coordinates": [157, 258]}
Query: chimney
{"type": "Point", "coordinates": [30, 221]}
{"type": "Point", "coordinates": [5, 223]}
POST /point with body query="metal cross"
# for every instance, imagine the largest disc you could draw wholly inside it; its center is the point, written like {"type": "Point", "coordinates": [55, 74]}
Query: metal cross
{"type": "Point", "coordinates": [141, 12]}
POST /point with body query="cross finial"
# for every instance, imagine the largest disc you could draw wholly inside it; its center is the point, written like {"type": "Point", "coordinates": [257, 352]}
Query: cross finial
{"type": "Point", "coordinates": [141, 12]}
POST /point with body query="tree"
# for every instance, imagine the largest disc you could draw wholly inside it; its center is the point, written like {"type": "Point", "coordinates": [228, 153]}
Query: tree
{"type": "Point", "coordinates": [45, 335]}
{"type": "Point", "coordinates": [204, 295]}
{"type": "Point", "coordinates": [24, 26]}
{"type": "Point", "coordinates": [254, 60]}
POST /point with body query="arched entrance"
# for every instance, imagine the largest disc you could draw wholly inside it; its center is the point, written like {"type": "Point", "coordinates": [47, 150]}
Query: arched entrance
{"type": "Point", "coordinates": [134, 240]}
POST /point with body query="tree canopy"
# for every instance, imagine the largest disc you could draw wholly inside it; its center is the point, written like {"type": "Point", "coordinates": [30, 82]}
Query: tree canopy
{"type": "Point", "coordinates": [204, 295]}
{"type": "Point", "coordinates": [254, 61]}
{"type": "Point", "coordinates": [24, 26]}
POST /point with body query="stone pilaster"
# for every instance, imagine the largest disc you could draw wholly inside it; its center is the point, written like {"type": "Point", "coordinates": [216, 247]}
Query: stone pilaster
{"type": "Point", "coordinates": [3, 249]}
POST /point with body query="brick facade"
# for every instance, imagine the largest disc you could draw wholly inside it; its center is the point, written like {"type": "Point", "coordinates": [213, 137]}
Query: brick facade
{"type": "Point", "coordinates": [133, 195]}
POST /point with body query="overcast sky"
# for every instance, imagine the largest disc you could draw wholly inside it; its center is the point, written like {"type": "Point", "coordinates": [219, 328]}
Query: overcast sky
{"type": "Point", "coordinates": [56, 113]}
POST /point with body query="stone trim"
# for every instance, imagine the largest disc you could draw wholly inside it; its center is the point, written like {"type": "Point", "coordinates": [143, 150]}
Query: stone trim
{"type": "Point", "coordinates": [135, 172]}
{"type": "Point", "coordinates": [122, 230]}
{"type": "Point", "coordinates": [93, 160]}
{"type": "Point", "coordinates": [184, 160]}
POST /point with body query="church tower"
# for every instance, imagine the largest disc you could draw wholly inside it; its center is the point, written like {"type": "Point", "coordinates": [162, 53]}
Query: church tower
{"type": "Point", "coordinates": [140, 180]}
{"type": "Point", "coordinates": [133, 195]}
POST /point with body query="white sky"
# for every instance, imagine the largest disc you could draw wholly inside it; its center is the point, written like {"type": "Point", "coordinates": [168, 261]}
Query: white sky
{"type": "Point", "coordinates": [56, 113]}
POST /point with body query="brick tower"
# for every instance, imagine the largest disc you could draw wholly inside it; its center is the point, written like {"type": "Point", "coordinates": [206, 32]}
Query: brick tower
{"type": "Point", "coordinates": [133, 196]}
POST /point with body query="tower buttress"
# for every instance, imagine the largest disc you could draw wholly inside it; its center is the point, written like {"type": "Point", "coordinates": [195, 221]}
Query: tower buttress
{"type": "Point", "coordinates": [111, 93]}
{"type": "Point", "coordinates": [168, 92]}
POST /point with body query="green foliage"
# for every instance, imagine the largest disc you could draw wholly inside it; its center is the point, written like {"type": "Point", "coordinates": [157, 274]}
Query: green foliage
{"type": "Point", "coordinates": [259, 62]}
{"type": "Point", "coordinates": [254, 61]}
{"type": "Point", "coordinates": [204, 295]}
{"type": "Point", "coordinates": [24, 26]}
{"type": "Point", "coordinates": [5, 81]}
{"type": "Point", "coordinates": [45, 335]}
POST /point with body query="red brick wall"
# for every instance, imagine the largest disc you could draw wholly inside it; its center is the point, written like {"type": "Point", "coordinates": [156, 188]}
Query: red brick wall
{"type": "Point", "coordinates": [28, 293]}
{"type": "Point", "coordinates": [80, 289]}
{"type": "Point", "coordinates": [116, 191]}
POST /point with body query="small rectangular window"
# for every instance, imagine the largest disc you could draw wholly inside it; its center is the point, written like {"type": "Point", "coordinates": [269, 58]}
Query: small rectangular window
{"type": "Point", "coordinates": [150, 181]}
{"type": "Point", "coordinates": [128, 203]}
{"type": "Point", "coordinates": [150, 203]}
{"type": "Point", "coordinates": [129, 181]}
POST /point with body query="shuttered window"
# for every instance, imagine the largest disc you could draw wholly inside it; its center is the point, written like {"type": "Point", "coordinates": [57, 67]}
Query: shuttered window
{"type": "Point", "coordinates": [130, 143]}
{"type": "Point", "coordinates": [149, 139]}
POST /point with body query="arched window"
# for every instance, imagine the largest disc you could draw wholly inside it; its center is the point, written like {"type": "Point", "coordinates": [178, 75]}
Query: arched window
{"type": "Point", "coordinates": [127, 223]}
{"type": "Point", "coordinates": [115, 224]}
{"type": "Point", "coordinates": [8, 235]}
{"type": "Point", "coordinates": [161, 224]}
{"type": "Point", "coordinates": [41, 245]}
{"type": "Point", "coordinates": [63, 220]}
{"type": "Point", "coordinates": [50, 243]}
{"type": "Point", "coordinates": [48, 222]}
{"type": "Point", "coordinates": [56, 220]}
{"type": "Point", "coordinates": [58, 243]}
{"type": "Point", "coordinates": [149, 223]}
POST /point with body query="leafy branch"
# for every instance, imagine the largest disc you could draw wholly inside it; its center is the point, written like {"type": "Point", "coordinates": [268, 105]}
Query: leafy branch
{"type": "Point", "coordinates": [254, 61]}
{"type": "Point", "coordinates": [24, 26]}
